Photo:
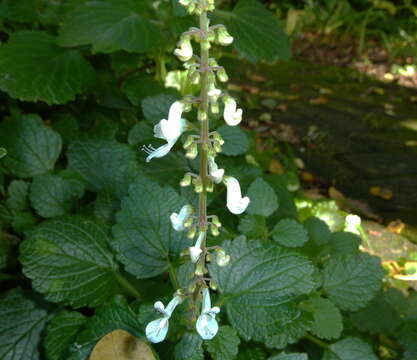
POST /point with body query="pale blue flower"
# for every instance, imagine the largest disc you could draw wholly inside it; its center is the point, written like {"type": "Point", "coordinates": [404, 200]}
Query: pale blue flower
{"type": "Point", "coordinates": [207, 325]}
{"type": "Point", "coordinates": [157, 330]}
{"type": "Point", "coordinates": [235, 202]}
{"type": "Point", "coordinates": [169, 130]}
{"type": "Point", "coordinates": [178, 220]}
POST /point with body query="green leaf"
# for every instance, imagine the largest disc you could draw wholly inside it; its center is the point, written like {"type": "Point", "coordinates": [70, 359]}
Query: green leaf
{"type": "Point", "coordinates": [69, 261]}
{"type": "Point", "coordinates": [257, 32]}
{"type": "Point", "coordinates": [5, 250]}
{"type": "Point", "coordinates": [328, 321]}
{"type": "Point", "coordinates": [51, 195]}
{"type": "Point", "coordinates": [252, 352]}
{"type": "Point", "coordinates": [60, 74]}
{"type": "Point", "coordinates": [106, 206]}
{"type": "Point", "coordinates": [225, 344]}
{"type": "Point", "coordinates": [17, 195]}
{"type": "Point", "coordinates": [157, 107]}
{"type": "Point", "coordinates": [32, 148]}
{"type": "Point", "coordinates": [344, 243]}
{"type": "Point", "coordinates": [22, 221]}
{"type": "Point", "coordinates": [21, 324]}
{"type": "Point", "coordinates": [143, 235]}
{"type": "Point", "coordinates": [140, 86]}
{"type": "Point", "coordinates": [100, 163]}
{"type": "Point", "coordinates": [141, 131]}
{"type": "Point", "coordinates": [293, 356]}
{"type": "Point", "coordinates": [318, 231]}
{"type": "Point", "coordinates": [287, 207]}
{"type": "Point", "coordinates": [109, 26]}
{"type": "Point", "coordinates": [349, 349]}
{"type": "Point", "coordinates": [190, 347]}
{"type": "Point", "coordinates": [290, 233]}
{"type": "Point", "coordinates": [352, 281]}
{"type": "Point", "coordinates": [291, 332]}
{"type": "Point", "coordinates": [61, 333]}
{"type": "Point", "coordinates": [254, 226]}
{"type": "Point", "coordinates": [116, 315]}
{"type": "Point", "coordinates": [263, 200]}
{"type": "Point", "coordinates": [3, 152]}
{"type": "Point", "coordinates": [19, 11]}
{"type": "Point", "coordinates": [235, 140]}
{"type": "Point", "coordinates": [259, 284]}
{"type": "Point", "coordinates": [370, 319]}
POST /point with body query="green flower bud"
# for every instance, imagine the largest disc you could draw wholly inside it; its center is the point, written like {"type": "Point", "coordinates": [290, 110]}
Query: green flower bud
{"type": "Point", "coordinates": [191, 233]}
{"type": "Point", "coordinates": [214, 230]}
{"type": "Point", "coordinates": [188, 142]}
{"type": "Point", "coordinates": [200, 269]}
{"type": "Point", "coordinates": [218, 137]}
{"type": "Point", "coordinates": [223, 37]}
{"type": "Point", "coordinates": [186, 180]}
{"type": "Point", "coordinates": [189, 222]}
{"type": "Point", "coordinates": [192, 151]}
{"type": "Point", "coordinates": [194, 77]}
{"type": "Point", "coordinates": [202, 115]}
{"type": "Point", "coordinates": [217, 146]}
{"type": "Point", "coordinates": [214, 106]}
{"type": "Point", "coordinates": [210, 186]}
{"type": "Point", "coordinates": [222, 75]}
{"type": "Point", "coordinates": [221, 258]}
{"type": "Point", "coordinates": [198, 185]}
{"type": "Point", "coordinates": [213, 285]}
{"type": "Point", "coordinates": [215, 220]}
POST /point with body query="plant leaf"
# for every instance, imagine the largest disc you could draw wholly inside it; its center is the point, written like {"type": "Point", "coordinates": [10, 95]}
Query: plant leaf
{"type": "Point", "coordinates": [349, 349]}
{"type": "Point", "coordinates": [190, 347]}
{"type": "Point", "coordinates": [235, 140]}
{"type": "Point", "coordinates": [293, 356]}
{"type": "Point", "coordinates": [109, 26]}
{"type": "Point", "coordinates": [32, 148]}
{"type": "Point", "coordinates": [225, 344]}
{"type": "Point", "coordinates": [263, 200]}
{"type": "Point", "coordinates": [69, 261]}
{"type": "Point", "coordinates": [61, 333]}
{"type": "Point", "coordinates": [60, 74]}
{"type": "Point", "coordinates": [143, 235]}
{"type": "Point", "coordinates": [17, 193]}
{"type": "Point", "coordinates": [290, 233]}
{"type": "Point", "coordinates": [352, 281]}
{"type": "Point", "coordinates": [21, 324]}
{"type": "Point", "coordinates": [259, 284]}
{"type": "Point", "coordinates": [51, 195]}
{"type": "Point", "coordinates": [256, 31]}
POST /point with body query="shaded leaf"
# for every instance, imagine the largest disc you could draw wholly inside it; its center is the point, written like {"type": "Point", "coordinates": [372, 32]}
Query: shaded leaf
{"type": "Point", "coordinates": [235, 140]}
{"type": "Point", "coordinates": [225, 344]}
{"type": "Point", "coordinates": [263, 200]}
{"type": "Point", "coordinates": [290, 233]}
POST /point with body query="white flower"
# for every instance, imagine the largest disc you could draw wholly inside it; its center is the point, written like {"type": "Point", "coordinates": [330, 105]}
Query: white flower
{"type": "Point", "coordinates": [231, 115]}
{"type": "Point", "coordinates": [185, 49]}
{"type": "Point", "coordinates": [207, 325]}
{"type": "Point", "coordinates": [169, 130]}
{"type": "Point", "coordinates": [195, 251]}
{"type": "Point", "coordinates": [215, 173]}
{"type": "Point", "coordinates": [352, 223]}
{"type": "Point", "coordinates": [235, 203]}
{"type": "Point", "coordinates": [157, 330]}
{"type": "Point", "coordinates": [178, 220]}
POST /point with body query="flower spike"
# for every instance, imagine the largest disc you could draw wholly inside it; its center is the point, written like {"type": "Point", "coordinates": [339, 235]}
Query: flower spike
{"type": "Point", "coordinates": [156, 331]}
{"type": "Point", "coordinates": [235, 202]}
{"type": "Point", "coordinates": [207, 326]}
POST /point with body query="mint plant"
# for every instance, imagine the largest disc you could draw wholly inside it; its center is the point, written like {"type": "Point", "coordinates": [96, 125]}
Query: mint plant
{"type": "Point", "coordinates": [97, 237]}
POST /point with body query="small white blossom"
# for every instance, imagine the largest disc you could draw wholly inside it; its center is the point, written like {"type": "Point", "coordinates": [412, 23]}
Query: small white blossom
{"type": "Point", "coordinates": [215, 173]}
{"type": "Point", "coordinates": [185, 49]}
{"type": "Point", "coordinates": [223, 36]}
{"type": "Point", "coordinates": [231, 114]}
{"type": "Point", "coordinates": [235, 202]}
{"type": "Point", "coordinates": [352, 223]}
{"type": "Point", "coordinates": [207, 326]}
{"type": "Point", "coordinates": [157, 330]}
{"type": "Point", "coordinates": [178, 220]}
{"type": "Point", "coordinates": [196, 251]}
{"type": "Point", "coordinates": [169, 130]}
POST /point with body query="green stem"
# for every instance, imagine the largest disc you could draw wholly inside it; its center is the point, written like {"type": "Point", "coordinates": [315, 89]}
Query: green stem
{"type": "Point", "coordinates": [204, 128]}
{"type": "Point", "coordinates": [316, 341]}
{"type": "Point", "coordinates": [127, 286]}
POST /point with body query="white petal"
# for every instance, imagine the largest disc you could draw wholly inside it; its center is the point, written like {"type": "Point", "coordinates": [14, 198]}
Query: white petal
{"type": "Point", "coordinates": [207, 326]}
{"type": "Point", "coordinates": [185, 52]}
{"type": "Point", "coordinates": [157, 129]}
{"type": "Point", "coordinates": [231, 115]}
{"type": "Point", "coordinates": [157, 330]}
{"type": "Point", "coordinates": [178, 220]}
{"type": "Point", "coordinates": [214, 171]}
{"type": "Point", "coordinates": [159, 306]}
{"type": "Point", "coordinates": [161, 151]}
{"type": "Point", "coordinates": [238, 206]}
{"type": "Point", "coordinates": [195, 253]}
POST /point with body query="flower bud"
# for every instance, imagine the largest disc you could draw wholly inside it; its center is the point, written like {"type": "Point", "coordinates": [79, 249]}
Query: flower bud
{"type": "Point", "coordinates": [189, 222]}
{"type": "Point", "coordinates": [200, 269]}
{"type": "Point", "coordinates": [218, 137]}
{"type": "Point", "coordinates": [198, 185]}
{"type": "Point", "coordinates": [214, 106]}
{"type": "Point", "coordinates": [213, 285]}
{"type": "Point", "coordinates": [223, 37]}
{"type": "Point", "coordinates": [194, 77]}
{"type": "Point", "coordinates": [222, 75]}
{"type": "Point", "coordinates": [215, 220]}
{"type": "Point", "coordinates": [184, 52]}
{"type": "Point", "coordinates": [186, 180]}
{"type": "Point", "coordinates": [188, 142]}
{"type": "Point", "coordinates": [214, 230]}
{"type": "Point", "coordinates": [202, 115]}
{"type": "Point", "coordinates": [221, 258]}
{"type": "Point", "coordinates": [217, 146]}
{"type": "Point", "coordinates": [192, 151]}
{"type": "Point", "coordinates": [210, 186]}
{"type": "Point", "coordinates": [191, 233]}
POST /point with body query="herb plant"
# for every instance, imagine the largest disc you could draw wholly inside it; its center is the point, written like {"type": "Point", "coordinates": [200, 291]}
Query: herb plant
{"type": "Point", "coordinates": [104, 256]}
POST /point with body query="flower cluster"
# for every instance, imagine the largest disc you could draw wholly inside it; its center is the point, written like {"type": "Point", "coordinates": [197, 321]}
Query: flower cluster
{"type": "Point", "coordinates": [207, 145]}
